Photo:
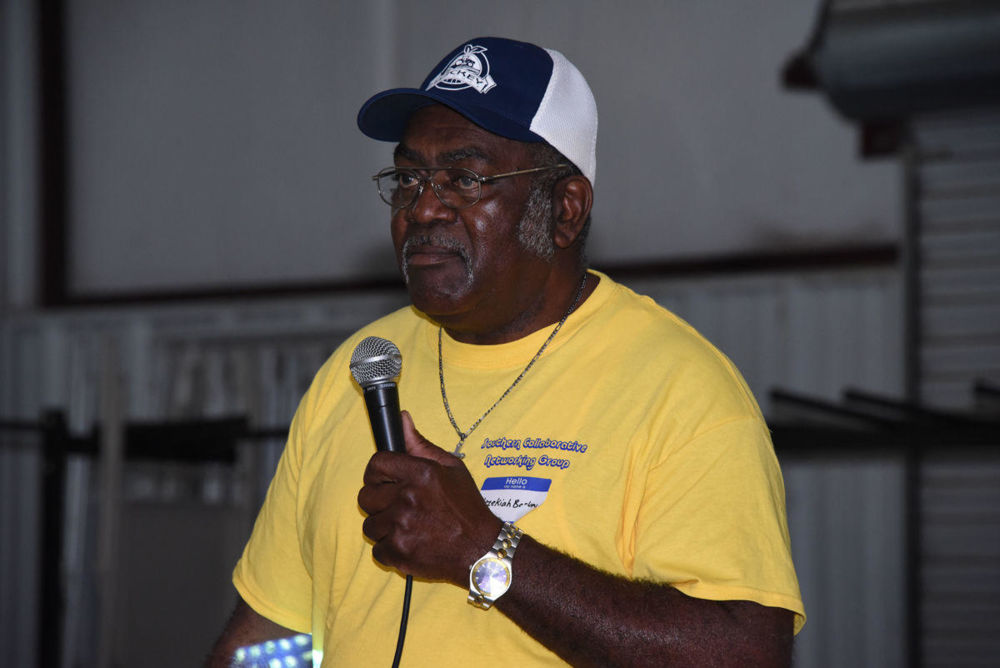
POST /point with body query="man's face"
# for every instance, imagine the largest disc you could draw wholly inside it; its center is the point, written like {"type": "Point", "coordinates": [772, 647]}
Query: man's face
{"type": "Point", "coordinates": [470, 268]}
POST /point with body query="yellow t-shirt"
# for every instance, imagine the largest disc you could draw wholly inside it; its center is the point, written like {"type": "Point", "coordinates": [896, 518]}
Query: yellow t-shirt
{"type": "Point", "coordinates": [632, 444]}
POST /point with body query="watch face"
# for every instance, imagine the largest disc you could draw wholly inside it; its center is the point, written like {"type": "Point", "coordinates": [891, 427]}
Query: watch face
{"type": "Point", "coordinates": [491, 577]}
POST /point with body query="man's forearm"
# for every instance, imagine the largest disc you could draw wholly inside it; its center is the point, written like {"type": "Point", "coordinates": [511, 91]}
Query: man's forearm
{"type": "Point", "coordinates": [245, 627]}
{"type": "Point", "coordinates": [592, 618]}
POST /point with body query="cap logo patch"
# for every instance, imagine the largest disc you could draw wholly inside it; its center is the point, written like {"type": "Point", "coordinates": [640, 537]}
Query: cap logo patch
{"type": "Point", "coordinates": [469, 69]}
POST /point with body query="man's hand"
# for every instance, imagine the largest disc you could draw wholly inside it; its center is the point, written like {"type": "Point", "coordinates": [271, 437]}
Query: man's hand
{"type": "Point", "coordinates": [426, 516]}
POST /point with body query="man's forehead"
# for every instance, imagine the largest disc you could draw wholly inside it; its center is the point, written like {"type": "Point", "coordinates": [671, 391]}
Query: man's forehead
{"type": "Point", "coordinates": [405, 152]}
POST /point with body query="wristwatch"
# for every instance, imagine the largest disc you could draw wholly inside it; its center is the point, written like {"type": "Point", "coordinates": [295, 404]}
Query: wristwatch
{"type": "Point", "coordinates": [491, 575]}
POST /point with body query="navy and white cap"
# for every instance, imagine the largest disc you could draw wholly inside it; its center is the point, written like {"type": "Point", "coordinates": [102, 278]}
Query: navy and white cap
{"type": "Point", "coordinates": [514, 89]}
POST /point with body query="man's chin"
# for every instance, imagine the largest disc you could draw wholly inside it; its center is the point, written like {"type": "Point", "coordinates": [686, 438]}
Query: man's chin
{"type": "Point", "coordinates": [436, 293]}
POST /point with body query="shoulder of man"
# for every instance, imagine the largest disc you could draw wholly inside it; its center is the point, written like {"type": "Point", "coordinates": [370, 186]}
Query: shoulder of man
{"type": "Point", "coordinates": [662, 344]}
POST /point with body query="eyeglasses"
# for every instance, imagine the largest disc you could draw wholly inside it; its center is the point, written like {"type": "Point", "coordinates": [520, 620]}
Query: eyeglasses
{"type": "Point", "coordinates": [455, 187]}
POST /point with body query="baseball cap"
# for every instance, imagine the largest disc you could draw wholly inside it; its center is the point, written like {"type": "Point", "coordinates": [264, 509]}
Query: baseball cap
{"type": "Point", "coordinates": [514, 89]}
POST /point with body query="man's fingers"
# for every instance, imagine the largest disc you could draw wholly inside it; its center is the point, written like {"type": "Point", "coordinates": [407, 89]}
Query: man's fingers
{"type": "Point", "coordinates": [375, 496]}
{"type": "Point", "coordinates": [379, 469]}
{"type": "Point", "coordinates": [370, 527]}
{"type": "Point", "coordinates": [418, 446]}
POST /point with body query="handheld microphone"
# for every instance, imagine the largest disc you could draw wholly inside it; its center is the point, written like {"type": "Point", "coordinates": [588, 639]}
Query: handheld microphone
{"type": "Point", "coordinates": [375, 365]}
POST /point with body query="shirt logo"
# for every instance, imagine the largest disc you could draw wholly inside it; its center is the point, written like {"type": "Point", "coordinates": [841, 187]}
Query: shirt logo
{"type": "Point", "coordinates": [469, 69]}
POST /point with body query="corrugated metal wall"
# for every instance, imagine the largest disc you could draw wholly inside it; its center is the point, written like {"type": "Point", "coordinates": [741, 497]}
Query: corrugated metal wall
{"type": "Point", "coordinates": [816, 332]}
{"type": "Point", "coordinates": [846, 516]}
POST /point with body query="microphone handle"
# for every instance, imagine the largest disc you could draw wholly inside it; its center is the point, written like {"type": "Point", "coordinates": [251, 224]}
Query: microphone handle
{"type": "Point", "coordinates": [382, 401]}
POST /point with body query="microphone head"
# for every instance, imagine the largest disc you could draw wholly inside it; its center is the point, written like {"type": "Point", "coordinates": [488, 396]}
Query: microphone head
{"type": "Point", "coordinates": [375, 360]}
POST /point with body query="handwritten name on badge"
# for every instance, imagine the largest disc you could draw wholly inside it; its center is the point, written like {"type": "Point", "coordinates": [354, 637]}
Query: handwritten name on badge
{"type": "Point", "coordinates": [512, 497]}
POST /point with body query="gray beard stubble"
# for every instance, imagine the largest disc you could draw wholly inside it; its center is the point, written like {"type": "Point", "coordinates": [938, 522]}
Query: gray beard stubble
{"type": "Point", "coordinates": [534, 231]}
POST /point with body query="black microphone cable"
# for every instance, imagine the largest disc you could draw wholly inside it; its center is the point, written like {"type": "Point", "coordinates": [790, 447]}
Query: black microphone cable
{"type": "Point", "coordinates": [402, 622]}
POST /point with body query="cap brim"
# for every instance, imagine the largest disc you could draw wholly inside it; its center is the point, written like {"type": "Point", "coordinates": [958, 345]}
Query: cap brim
{"type": "Point", "coordinates": [385, 115]}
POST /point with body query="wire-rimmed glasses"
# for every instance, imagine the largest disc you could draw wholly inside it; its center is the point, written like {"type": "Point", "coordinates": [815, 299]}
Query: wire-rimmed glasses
{"type": "Point", "coordinates": [455, 187]}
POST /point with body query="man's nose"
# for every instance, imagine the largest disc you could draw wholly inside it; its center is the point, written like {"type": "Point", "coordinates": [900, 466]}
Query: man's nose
{"type": "Point", "coordinates": [427, 207]}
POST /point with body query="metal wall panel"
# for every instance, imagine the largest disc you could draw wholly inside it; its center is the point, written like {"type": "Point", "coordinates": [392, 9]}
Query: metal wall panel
{"type": "Point", "coordinates": [815, 333]}
{"type": "Point", "coordinates": [20, 468]}
{"type": "Point", "coordinates": [846, 517]}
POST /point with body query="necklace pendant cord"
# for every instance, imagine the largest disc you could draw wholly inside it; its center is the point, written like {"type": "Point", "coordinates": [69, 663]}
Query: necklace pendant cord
{"type": "Point", "coordinates": [444, 394]}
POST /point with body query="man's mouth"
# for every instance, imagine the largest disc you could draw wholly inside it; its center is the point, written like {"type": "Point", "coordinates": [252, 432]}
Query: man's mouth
{"type": "Point", "coordinates": [426, 251]}
{"type": "Point", "coordinates": [419, 256]}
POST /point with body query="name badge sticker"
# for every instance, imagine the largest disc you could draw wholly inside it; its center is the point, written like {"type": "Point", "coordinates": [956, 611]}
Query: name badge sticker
{"type": "Point", "coordinates": [512, 497]}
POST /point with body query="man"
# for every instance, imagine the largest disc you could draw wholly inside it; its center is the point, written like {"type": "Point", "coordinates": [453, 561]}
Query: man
{"type": "Point", "coordinates": [605, 480]}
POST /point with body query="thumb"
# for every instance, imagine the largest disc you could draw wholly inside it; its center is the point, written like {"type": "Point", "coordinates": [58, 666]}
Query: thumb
{"type": "Point", "coordinates": [418, 446]}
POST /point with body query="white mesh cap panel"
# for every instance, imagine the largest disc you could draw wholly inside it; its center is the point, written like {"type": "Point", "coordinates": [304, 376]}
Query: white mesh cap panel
{"type": "Point", "coordinates": [567, 116]}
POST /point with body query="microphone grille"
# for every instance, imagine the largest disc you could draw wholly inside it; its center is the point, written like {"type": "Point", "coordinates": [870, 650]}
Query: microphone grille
{"type": "Point", "coordinates": [375, 360]}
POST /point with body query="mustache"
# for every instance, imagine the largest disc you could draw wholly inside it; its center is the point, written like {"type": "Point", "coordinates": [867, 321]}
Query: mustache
{"type": "Point", "coordinates": [434, 240]}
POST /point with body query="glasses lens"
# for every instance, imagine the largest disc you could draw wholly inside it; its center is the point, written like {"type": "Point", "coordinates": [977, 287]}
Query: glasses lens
{"type": "Point", "coordinates": [458, 187]}
{"type": "Point", "coordinates": [397, 187]}
{"type": "Point", "coordinates": [455, 187]}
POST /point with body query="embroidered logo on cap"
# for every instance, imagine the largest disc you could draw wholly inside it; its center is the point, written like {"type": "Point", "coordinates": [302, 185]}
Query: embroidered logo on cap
{"type": "Point", "coordinates": [469, 69]}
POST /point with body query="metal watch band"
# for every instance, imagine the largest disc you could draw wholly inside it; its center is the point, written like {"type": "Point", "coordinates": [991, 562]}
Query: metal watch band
{"type": "Point", "coordinates": [503, 550]}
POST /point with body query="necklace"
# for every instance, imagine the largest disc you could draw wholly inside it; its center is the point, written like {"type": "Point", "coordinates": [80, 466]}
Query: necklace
{"type": "Point", "coordinates": [444, 395]}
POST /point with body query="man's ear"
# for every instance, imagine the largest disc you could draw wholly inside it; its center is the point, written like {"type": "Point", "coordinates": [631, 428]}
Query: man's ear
{"type": "Point", "coordinates": [573, 196]}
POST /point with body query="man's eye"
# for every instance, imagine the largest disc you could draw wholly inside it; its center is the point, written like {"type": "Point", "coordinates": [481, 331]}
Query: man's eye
{"type": "Point", "coordinates": [407, 179]}
{"type": "Point", "coordinates": [464, 182]}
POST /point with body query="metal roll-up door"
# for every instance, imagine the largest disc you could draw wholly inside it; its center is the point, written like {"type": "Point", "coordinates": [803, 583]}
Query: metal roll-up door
{"type": "Point", "coordinates": [957, 209]}
{"type": "Point", "coordinates": [955, 202]}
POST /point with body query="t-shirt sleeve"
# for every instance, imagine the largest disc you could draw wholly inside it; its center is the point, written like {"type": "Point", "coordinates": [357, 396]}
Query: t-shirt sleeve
{"type": "Point", "coordinates": [712, 520]}
{"type": "Point", "coordinates": [271, 575]}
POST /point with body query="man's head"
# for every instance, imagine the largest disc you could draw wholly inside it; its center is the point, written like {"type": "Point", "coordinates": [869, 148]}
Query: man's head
{"type": "Point", "coordinates": [488, 214]}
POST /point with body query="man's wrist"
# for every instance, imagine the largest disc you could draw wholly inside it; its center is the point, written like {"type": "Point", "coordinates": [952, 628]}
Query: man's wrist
{"type": "Point", "coordinates": [491, 575]}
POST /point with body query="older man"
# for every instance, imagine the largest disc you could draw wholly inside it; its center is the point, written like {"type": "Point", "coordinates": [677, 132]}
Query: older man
{"type": "Point", "coordinates": [605, 480]}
